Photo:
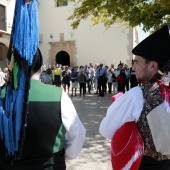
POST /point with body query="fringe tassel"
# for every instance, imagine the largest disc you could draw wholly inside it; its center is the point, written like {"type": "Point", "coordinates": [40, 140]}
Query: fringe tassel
{"type": "Point", "coordinates": [25, 36]}
{"type": "Point", "coordinates": [18, 109]}
{"type": "Point", "coordinates": [1, 118]}
{"type": "Point", "coordinates": [25, 42]}
{"type": "Point", "coordinates": [11, 123]}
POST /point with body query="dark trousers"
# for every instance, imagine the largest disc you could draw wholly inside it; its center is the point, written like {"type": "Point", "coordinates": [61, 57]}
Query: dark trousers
{"type": "Point", "coordinates": [148, 163]}
{"type": "Point", "coordinates": [101, 85]}
{"type": "Point", "coordinates": [82, 86]}
{"type": "Point", "coordinates": [127, 84]}
{"type": "Point", "coordinates": [105, 86]}
{"type": "Point", "coordinates": [89, 83]}
{"type": "Point", "coordinates": [54, 162]}
{"type": "Point", "coordinates": [110, 87]}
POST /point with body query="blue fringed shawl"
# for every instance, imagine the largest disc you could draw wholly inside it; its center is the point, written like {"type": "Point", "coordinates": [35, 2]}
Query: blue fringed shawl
{"type": "Point", "coordinates": [11, 115]}
{"type": "Point", "coordinates": [25, 36]}
{"type": "Point", "coordinates": [13, 110]}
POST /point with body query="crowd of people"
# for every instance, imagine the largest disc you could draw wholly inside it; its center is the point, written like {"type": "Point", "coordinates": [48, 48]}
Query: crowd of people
{"type": "Point", "coordinates": [101, 78]}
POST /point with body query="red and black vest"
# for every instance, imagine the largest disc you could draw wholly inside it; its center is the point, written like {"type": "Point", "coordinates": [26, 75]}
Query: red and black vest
{"type": "Point", "coordinates": [152, 99]}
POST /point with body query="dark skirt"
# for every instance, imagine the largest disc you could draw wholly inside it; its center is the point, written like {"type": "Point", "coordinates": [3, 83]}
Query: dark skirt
{"type": "Point", "coordinates": [149, 163]}
{"type": "Point", "coordinates": [57, 80]}
{"type": "Point", "coordinates": [53, 162]}
{"type": "Point", "coordinates": [66, 80]}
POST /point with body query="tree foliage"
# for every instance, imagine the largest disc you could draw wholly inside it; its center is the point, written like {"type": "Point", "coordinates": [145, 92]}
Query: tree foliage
{"type": "Point", "coordinates": [151, 13]}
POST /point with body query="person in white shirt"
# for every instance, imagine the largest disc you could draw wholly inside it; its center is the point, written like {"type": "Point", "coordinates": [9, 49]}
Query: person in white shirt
{"type": "Point", "coordinates": [2, 78]}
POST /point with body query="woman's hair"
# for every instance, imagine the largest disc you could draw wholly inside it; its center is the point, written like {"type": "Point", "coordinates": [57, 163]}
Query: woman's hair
{"type": "Point", "coordinates": [48, 71]}
{"type": "Point", "coordinates": [37, 62]}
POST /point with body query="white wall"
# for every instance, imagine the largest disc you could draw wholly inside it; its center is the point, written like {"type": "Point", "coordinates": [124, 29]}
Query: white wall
{"type": "Point", "coordinates": [10, 15]}
{"type": "Point", "coordinates": [94, 44]}
{"type": "Point", "coordinates": [10, 5]}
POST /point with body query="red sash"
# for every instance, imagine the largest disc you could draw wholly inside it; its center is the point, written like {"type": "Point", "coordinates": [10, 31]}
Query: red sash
{"type": "Point", "coordinates": [127, 147]}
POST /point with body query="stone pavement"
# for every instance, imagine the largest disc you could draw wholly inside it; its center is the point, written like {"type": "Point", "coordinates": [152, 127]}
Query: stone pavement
{"type": "Point", "coordinates": [95, 154]}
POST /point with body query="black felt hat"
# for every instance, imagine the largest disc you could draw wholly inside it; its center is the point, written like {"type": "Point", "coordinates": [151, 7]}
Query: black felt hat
{"type": "Point", "coordinates": [156, 47]}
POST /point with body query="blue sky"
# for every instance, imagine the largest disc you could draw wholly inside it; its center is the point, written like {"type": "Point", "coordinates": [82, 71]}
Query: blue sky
{"type": "Point", "coordinates": [141, 34]}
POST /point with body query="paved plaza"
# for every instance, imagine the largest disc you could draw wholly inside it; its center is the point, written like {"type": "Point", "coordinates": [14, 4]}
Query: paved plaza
{"type": "Point", "coordinates": [95, 154]}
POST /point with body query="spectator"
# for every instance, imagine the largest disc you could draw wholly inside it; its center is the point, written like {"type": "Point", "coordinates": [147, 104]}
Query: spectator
{"type": "Point", "coordinates": [114, 81]}
{"type": "Point", "coordinates": [109, 78]}
{"type": "Point", "coordinates": [127, 72]}
{"type": "Point", "coordinates": [101, 76]}
{"type": "Point", "coordinates": [133, 79]}
{"type": "Point", "coordinates": [47, 77]}
{"type": "Point", "coordinates": [82, 81]}
{"type": "Point", "coordinates": [57, 76]}
{"type": "Point", "coordinates": [74, 80]}
{"type": "Point", "coordinates": [121, 81]}
{"type": "Point", "coordinates": [66, 79]}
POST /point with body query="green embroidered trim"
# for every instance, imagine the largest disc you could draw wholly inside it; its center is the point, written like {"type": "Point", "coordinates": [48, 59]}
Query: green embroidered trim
{"type": "Point", "coordinates": [2, 93]}
{"type": "Point", "coordinates": [60, 139]}
{"type": "Point", "coordinates": [15, 75]}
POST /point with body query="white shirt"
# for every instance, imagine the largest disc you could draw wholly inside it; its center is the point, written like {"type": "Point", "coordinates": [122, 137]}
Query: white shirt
{"type": "Point", "coordinates": [109, 77]}
{"type": "Point", "coordinates": [2, 79]}
{"type": "Point", "coordinates": [117, 72]}
{"type": "Point", "coordinates": [92, 71]}
{"type": "Point", "coordinates": [169, 74]}
{"type": "Point", "coordinates": [127, 72]}
{"type": "Point", "coordinates": [126, 108]}
{"type": "Point", "coordinates": [76, 132]}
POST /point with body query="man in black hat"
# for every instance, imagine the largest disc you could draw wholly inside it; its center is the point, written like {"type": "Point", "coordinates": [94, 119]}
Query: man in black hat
{"type": "Point", "coordinates": [143, 104]}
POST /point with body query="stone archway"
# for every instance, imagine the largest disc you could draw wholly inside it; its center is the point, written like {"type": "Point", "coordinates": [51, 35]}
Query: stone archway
{"type": "Point", "coordinates": [63, 58]}
{"type": "Point", "coordinates": [68, 47]}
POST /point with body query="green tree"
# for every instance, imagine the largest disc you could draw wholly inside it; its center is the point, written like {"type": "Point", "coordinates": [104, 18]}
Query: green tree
{"type": "Point", "coordinates": [151, 13]}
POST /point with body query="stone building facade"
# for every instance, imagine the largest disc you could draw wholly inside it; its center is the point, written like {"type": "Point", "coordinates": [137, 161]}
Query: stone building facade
{"type": "Point", "coordinates": [59, 43]}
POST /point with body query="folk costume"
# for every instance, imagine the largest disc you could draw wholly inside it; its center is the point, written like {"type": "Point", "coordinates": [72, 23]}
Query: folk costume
{"type": "Point", "coordinates": [13, 108]}
{"type": "Point", "coordinates": [148, 106]}
{"type": "Point", "coordinates": [53, 133]}
{"type": "Point", "coordinates": [37, 131]}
